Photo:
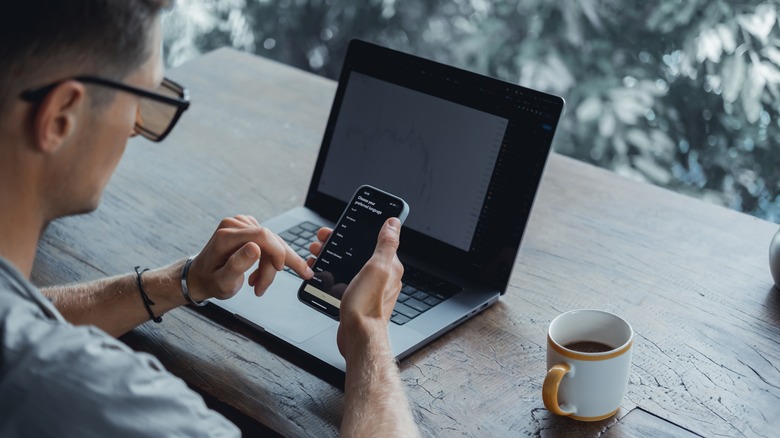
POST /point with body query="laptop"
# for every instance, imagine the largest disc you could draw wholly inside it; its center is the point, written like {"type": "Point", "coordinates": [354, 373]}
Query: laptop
{"type": "Point", "coordinates": [464, 150]}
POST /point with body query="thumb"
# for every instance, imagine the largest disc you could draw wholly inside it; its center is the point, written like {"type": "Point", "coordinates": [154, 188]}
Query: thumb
{"type": "Point", "coordinates": [241, 260]}
{"type": "Point", "coordinates": [389, 239]}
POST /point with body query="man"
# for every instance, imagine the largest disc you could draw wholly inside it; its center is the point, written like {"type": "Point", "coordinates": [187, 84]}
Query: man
{"type": "Point", "coordinates": [76, 79]}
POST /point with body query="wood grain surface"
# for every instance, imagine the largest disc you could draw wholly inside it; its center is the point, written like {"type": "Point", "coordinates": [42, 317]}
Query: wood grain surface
{"type": "Point", "coordinates": [692, 279]}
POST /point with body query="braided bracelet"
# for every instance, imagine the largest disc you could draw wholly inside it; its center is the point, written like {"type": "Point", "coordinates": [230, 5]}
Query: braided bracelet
{"type": "Point", "coordinates": [147, 301]}
{"type": "Point", "coordinates": [186, 290]}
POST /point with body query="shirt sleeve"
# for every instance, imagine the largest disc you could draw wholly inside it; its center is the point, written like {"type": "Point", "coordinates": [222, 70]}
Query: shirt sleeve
{"type": "Point", "coordinates": [62, 380]}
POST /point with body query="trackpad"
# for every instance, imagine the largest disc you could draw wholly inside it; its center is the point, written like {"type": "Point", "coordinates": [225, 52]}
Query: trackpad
{"type": "Point", "coordinates": [278, 311]}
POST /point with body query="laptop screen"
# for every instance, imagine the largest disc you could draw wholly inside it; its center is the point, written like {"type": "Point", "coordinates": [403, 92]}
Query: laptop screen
{"type": "Point", "coordinates": [465, 151]}
{"type": "Point", "coordinates": [396, 137]}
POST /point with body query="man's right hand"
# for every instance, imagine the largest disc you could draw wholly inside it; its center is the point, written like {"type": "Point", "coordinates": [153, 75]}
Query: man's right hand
{"type": "Point", "coordinates": [369, 299]}
{"type": "Point", "coordinates": [375, 403]}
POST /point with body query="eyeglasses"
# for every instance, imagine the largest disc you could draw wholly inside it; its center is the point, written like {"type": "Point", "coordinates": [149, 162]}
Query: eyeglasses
{"type": "Point", "coordinates": [158, 110]}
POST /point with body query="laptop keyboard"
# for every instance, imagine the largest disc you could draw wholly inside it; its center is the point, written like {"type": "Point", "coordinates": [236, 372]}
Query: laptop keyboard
{"type": "Point", "coordinates": [299, 238]}
{"type": "Point", "coordinates": [420, 291]}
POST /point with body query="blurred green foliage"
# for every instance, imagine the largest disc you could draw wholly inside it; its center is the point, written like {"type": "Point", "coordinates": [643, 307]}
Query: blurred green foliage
{"type": "Point", "coordinates": [679, 93]}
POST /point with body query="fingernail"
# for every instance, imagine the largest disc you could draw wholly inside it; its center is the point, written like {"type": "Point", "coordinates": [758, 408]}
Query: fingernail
{"type": "Point", "coordinates": [249, 251]}
{"type": "Point", "coordinates": [309, 272]}
{"type": "Point", "coordinates": [394, 223]}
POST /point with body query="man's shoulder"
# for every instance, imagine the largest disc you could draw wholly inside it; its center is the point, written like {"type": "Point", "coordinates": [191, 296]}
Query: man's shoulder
{"type": "Point", "coordinates": [32, 341]}
{"type": "Point", "coordinates": [12, 283]}
{"type": "Point", "coordinates": [82, 379]}
{"type": "Point", "coordinates": [39, 347]}
{"type": "Point", "coordinates": [17, 292]}
{"type": "Point", "coordinates": [55, 357]}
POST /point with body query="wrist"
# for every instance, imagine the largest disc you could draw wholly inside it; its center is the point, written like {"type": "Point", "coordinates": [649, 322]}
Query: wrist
{"type": "Point", "coordinates": [186, 291]}
{"type": "Point", "coordinates": [362, 336]}
{"type": "Point", "coordinates": [161, 286]}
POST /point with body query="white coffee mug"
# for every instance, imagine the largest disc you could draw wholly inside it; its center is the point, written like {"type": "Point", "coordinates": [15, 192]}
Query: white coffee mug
{"type": "Point", "coordinates": [588, 361]}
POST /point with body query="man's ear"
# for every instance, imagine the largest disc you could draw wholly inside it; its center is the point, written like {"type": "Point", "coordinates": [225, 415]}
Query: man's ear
{"type": "Point", "coordinates": [58, 115]}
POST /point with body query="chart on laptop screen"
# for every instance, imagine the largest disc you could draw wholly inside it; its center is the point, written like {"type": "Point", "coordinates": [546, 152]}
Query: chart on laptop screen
{"type": "Point", "coordinates": [437, 155]}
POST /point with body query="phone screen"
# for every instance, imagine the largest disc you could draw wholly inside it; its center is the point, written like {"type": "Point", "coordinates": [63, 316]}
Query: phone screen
{"type": "Point", "coordinates": [349, 247]}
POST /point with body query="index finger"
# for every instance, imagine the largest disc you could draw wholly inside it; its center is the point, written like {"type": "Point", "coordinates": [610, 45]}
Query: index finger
{"type": "Point", "coordinates": [266, 270]}
{"type": "Point", "coordinates": [295, 262]}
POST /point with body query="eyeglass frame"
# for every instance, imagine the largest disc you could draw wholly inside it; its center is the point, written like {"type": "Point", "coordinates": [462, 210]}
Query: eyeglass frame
{"type": "Point", "coordinates": [181, 104]}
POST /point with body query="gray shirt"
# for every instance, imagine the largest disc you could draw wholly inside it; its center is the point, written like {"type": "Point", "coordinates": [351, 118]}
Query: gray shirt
{"type": "Point", "coordinates": [57, 379]}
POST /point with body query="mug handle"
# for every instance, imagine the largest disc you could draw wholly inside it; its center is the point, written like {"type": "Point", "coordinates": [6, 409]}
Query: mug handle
{"type": "Point", "coordinates": [550, 389]}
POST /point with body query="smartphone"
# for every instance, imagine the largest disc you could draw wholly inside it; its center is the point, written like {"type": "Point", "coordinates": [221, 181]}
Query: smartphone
{"type": "Point", "coordinates": [349, 247]}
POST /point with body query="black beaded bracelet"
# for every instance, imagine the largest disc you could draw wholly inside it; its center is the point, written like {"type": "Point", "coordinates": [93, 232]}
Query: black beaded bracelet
{"type": "Point", "coordinates": [147, 301]}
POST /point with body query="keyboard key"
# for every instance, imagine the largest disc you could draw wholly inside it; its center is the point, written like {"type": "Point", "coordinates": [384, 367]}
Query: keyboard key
{"type": "Point", "coordinates": [420, 295]}
{"type": "Point", "coordinates": [296, 230]}
{"type": "Point", "coordinates": [431, 301]}
{"type": "Point", "coordinates": [402, 297]}
{"type": "Point", "coordinates": [301, 242]}
{"type": "Point", "coordinates": [406, 310]}
{"type": "Point", "coordinates": [399, 319]}
{"type": "Point", "coordinates": [304, 253]}
{"type": "Point", "coordinates": [417, 305]}
{"type": "Point", "coordinates": [406, 289]}
{"type": "Point", "coordinates": [308, 226]}
{"type": "Point", "coordinates": [308, 235]}
{"type": "Point", "coordinates": [288, 236]}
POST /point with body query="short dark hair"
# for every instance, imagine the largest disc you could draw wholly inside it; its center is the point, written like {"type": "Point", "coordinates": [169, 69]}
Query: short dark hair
{"type": "Point", "coordinates": [102, 37]}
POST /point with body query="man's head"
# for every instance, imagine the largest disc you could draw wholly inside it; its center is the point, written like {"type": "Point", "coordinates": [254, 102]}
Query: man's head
{"type": "Point", "coordinates": [65, 145]}
{"type": "Point", "coordinates": [41, 40]}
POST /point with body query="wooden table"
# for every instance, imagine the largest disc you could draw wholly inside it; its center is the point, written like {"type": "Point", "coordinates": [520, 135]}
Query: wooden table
{"type": "Point", "coordinates": [692, 278]}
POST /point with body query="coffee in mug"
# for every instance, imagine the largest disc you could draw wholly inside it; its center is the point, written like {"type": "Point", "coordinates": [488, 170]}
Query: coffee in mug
{"type": "Point", "coordinates": [588, 361]}
{"type": "Point", "coordinates": [588, 346]}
